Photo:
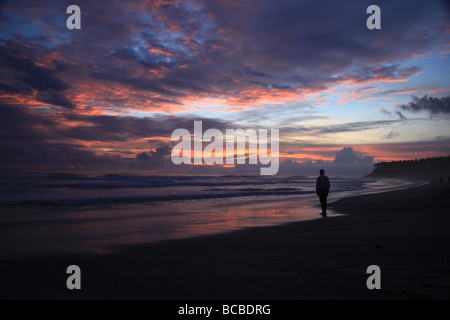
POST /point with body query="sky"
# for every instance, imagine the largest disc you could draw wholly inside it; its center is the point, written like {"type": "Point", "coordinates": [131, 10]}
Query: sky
{"type": "Point", "coordinates": [109, 95]}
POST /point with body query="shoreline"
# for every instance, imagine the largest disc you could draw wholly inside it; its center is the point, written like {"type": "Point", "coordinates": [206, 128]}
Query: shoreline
{"type": "Point", "coordinates": [32, 231]}
{"type": "Point", "coordinates": [404, 232]}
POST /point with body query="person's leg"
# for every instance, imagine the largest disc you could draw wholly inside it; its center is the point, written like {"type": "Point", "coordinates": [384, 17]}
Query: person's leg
{"type": "Point", "coordinates": [323, 202]}
{"type": "Point", "coordinates": [325, 195]}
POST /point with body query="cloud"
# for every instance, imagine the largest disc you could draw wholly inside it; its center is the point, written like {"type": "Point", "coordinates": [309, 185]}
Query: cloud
{"type": "Point", "coordinates": [354, 126]}
{"type": "Point", "coordinates": [33, 138]}
{"type": "Point", "coordinates": [347, 161]}
{"type": "Point", "coordinates": [347, 156]}
{"type": "Point", "coordinates": [385, 112]}
{"type": "Point", "coordinates": [158, 158]}
{"type": "Point", "coordinates": [165, 54]}
{"type": "Point", "coordinates": [68, 97]}
{"type": "Point", "coordinates": [428, 104]}
{"type": "Point", "coordinates": [389, 114]}
{"type": "Point", "coordinates": [400, 115]}
{"type": "Point", "coordinates": [386, 73]}
{"type": "Point", "coordinates": [55, 99]}
{"type": "Point", "coordinates": [25, 76]}
{"type": "Point", "coordinates": [391, 135]}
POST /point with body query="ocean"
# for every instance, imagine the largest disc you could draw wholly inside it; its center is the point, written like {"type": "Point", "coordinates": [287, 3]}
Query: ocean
{"type": "Point", "coordinates": [47, 213]}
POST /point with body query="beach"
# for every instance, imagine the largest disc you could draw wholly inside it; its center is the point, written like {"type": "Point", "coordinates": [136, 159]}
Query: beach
{"type": "Point", "coordinates": [404, 232]}
{"type": "Point", "coordinates": [183, 151]}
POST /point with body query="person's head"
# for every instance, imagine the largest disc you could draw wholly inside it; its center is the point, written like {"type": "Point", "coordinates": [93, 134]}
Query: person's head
{"type": "Point", "coordinates": [322, 171]}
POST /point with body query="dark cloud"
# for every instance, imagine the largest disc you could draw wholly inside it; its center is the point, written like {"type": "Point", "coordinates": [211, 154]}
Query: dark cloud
{"type": "Point", "coordinates": [407, 72]}
{"type": "Point", "coordinates": [171, 50]}
{"type": "Point", "coordinates": [19, 125]}
{"type": "Point", "coordinates": [56, 156]}
{"type": "Point", "coordinates": [55, 99]}
{"type": "Point", "coordinates": [428, 104]}
{"type": "Point", "coordinates": [385, 112]}
{"type": "Point", "coordinates": [356, 126]}
{"type": "Point", "coordinates": [347, 156]}
{"type": "Point", "coordinates": [322, 35]}
{"type": "Point", "coordinates": [175, 49]}
{"type": "Point", "coordinates": [383, 73]}
{"type": "Point", "coordinates": [391, 135]}
{"type": "Point", "coordinates": [136, 83]}
{"type": "Point", "coordinates": [347, 161]}
{"type": "Point", "coordinates": [400, 115]}
{"type": "Point", "coordinates": [24, 75]}
{"type": "Point", "coordinates": [123, 128]}
{"type": "Point", "coordinates": [6, 88]}
{"type": "Point", "coordinates": [344, 127]}
{"type": "Point", "coordinates": [33, 139]}
{"type": "Point", "coordinates": [159, 158]}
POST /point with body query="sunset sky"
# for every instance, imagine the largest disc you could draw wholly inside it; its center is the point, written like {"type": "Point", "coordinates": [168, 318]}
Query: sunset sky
{"type": "Point", "coordinates": [109, 96]}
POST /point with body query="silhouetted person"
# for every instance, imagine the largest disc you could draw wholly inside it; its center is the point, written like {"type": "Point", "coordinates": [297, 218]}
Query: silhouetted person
{"type": "Point", "coordinates": [441, 179]}
{"type": "Point", "coordinates": [322, 190]}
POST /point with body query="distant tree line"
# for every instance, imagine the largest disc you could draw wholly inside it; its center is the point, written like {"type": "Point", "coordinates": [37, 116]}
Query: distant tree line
{"type": "Point", "coordinates": [437, 169]}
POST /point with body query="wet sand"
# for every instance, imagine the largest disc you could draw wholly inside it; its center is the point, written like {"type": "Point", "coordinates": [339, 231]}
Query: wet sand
{"type": "Point", "coordinates": [406, 233]}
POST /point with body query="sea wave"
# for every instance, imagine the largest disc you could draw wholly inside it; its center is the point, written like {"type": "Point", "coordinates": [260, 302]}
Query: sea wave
{"type": "Point", "coordinates": [116, 181]}
{"type": "Point", "coordinates": [77, 190]}
{"type": "Point", "coordinates": [158, 198]}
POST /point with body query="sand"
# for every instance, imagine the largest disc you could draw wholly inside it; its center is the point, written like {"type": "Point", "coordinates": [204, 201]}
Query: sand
{"type": "Point", "coordinates": [406, 233]}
